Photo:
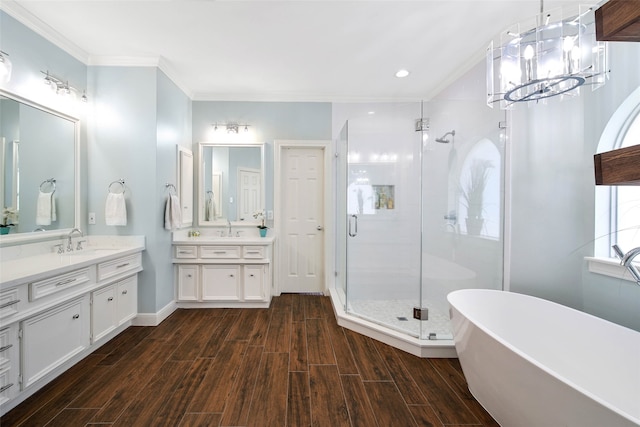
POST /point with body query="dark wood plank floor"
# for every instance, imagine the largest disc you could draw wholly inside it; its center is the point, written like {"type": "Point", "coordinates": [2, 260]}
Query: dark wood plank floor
{"type": "Point", "coordinates": [289, 365]}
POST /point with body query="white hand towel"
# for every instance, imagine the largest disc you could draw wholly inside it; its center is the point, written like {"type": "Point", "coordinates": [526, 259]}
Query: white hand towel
{"type": "Point", "coordinates": [210, 209]}
{"type": "Point", "coordinates": [45, 208]}
{"type": "Point", "coordinates": [115, 209]}
{"type": "Point", "coordinates": [172, 213]}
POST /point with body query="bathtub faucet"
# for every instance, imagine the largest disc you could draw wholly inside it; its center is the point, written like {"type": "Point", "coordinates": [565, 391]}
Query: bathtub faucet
{"type": "Point", "coordinates": [626, 260]}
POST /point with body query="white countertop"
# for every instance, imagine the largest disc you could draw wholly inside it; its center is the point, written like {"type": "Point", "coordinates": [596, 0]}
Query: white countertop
{"type": "Point", "coordinates": [97, 249]}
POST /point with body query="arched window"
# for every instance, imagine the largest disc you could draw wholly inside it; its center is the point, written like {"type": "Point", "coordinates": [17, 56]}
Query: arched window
{"type": "Point", "coordinates": [618, 207]}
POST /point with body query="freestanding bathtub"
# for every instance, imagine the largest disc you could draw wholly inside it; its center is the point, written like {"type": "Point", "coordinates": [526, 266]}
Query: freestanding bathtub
{"type": "Point", "coordinates": [534, 363]}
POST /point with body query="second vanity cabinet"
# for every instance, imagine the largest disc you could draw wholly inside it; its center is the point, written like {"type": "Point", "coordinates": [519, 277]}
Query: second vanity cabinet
{"type": "Point", "coordinates": [223, 275]}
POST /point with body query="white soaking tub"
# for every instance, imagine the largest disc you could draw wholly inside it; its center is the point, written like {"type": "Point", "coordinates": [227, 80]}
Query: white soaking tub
{"type": "Point", "coordinates": [534, 363]}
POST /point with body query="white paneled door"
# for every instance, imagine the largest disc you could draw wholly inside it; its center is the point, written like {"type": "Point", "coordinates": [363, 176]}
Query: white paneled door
{"type": "Point", "coordinates": [249, 193]}
{"type": "Point", "coordinates": [302, 252]}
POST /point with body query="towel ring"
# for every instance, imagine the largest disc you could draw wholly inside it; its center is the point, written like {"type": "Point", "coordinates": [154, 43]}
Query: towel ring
{"type": "Point", "coordinates": [171, 187]}
{"type": "Point", "coordinates": [121, 182]}
{"type": "Point", "coordinates": [52, 185]}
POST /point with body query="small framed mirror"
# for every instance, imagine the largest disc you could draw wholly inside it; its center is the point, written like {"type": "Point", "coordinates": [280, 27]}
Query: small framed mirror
{"type": "Point", "coordinates": [230, 182]}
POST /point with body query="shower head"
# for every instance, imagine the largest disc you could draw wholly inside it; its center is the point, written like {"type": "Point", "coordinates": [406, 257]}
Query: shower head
{"type": "Point", "coordinates": [443, 139]}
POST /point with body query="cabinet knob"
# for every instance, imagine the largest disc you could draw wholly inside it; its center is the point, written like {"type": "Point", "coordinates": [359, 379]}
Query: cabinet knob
{"type": "Point", "coordinates": [76, 316]}
{"type": "Point", "coordinates": [231, 275]}
{"type": "Point", "coordinates": [251, 275]}
{"type": "Point", "coordinates": [124, 292]}
{"type": "Point", "coordinates": [110, 299]}
{"type": "Point", "coordinates": [189, 276]}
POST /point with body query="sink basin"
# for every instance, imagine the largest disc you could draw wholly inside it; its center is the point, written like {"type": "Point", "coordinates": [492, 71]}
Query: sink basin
{"type": "Point", "coordinates": [84, 255]}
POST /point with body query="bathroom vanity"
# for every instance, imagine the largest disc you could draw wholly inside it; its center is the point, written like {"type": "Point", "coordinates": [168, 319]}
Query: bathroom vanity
{"type": "Point", "coordinates": [57, 306]}
{"type": "Point", "coordinates": [213, 271]}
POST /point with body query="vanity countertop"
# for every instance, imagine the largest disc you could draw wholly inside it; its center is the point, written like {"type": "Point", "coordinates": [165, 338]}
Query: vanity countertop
{"type": "Point", "coordinates": [38, 266]}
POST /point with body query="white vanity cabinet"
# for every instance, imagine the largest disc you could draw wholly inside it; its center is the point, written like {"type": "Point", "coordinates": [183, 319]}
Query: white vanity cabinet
{"type": "Point", "coordinates": [55, 309]}
{"type": "Point", "coordinates": [223, 274]}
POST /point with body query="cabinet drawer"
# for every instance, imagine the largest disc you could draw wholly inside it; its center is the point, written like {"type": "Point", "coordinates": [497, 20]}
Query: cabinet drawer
{"type": "Point", "coordinates": [222, 252]}
{"type": "Point", "coordinates": [59, 283]}
{"type": "Point", "coordinates": [12, 301]}
{"type": "Point", "coordinates": [253, 252]}
{"type": "Point", "coordinates": [186, 252]}
{"type": "Point", "coordinates": [8, 385]}
{"type": "Point", "coordinates": [118, 266]}
{"type": "Point", "coordinates": [8, 345]}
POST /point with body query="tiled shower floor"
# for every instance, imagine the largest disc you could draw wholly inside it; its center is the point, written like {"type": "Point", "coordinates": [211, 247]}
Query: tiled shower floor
{"type": "Point", "coordinates": [388, 312]}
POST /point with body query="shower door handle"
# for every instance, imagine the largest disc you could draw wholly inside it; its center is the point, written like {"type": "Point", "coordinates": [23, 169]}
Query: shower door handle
{"type": "Point", "coordinates": [353, 233]}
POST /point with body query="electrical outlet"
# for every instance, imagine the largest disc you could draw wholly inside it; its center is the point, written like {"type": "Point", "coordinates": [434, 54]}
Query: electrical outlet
{"type": "Point", "coordinates": [92, 217]}
{"type": "Point", "coordinates": [269, 215]}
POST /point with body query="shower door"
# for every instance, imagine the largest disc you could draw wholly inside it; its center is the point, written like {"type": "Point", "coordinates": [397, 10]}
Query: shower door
{"type": "Point", "coordinates": [381, 216]}
{"type": "Point", "coordinates": [461, 249]}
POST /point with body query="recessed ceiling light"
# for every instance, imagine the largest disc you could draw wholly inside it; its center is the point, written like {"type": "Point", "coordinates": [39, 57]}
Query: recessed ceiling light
{"type": "Point", "coordinates": [371, 113]}
{"type": "Point", "coordinates": [402, 73]}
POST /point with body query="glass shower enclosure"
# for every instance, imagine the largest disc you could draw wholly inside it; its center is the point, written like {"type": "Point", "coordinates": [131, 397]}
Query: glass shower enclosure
{"type": "Point", "coordinates": [419, 213]}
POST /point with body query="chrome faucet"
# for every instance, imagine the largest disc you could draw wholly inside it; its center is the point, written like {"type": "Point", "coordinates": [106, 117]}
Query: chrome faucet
{"type": "Point", "coordinates": [75, 230]}
{"type": "Point", "coordinates": [626, 261]}
{"type": "Point", "coordinates": [228, 228]}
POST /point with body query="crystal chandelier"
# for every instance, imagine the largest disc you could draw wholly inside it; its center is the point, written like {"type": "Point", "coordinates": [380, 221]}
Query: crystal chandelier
{"type": "Point", "coordinates": [553, 54]}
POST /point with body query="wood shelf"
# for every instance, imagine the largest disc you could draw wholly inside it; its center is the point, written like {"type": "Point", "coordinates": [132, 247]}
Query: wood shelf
{"type": "Point", "coordinates": [618, 167]}
{"type": "Point", "coordinates": [618, 21]}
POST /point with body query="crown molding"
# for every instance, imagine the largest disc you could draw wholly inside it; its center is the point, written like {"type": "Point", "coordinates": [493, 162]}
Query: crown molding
{"type": "Point", "coordinates": [43, 29]}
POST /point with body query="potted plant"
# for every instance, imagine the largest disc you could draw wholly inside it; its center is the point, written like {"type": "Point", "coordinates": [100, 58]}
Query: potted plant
{"type": "Point", "coordinates": [5, 225]}
{"type": "Point", "coordinates": [473, 194]}
{"type": "Point", "coordinates": [262, 227]}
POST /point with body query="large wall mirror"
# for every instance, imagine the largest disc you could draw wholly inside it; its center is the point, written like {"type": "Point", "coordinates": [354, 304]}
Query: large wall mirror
{"type": "Point", "coordinates": [230, 182]}
{"type": "Point", "coordinates": [38, 170]}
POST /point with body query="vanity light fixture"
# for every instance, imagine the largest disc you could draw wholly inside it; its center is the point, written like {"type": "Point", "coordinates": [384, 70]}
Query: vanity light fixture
{"type": "Point", "coordinates": [552, 54]}
{"type": "Point", "coordinates": [5, 67]}
{"type": "Point", "coordinates": [231, 127]}
{"type": "Point", "coordinates": [62, 87]}
{"type": "Point", "coordinates": [402, 73]}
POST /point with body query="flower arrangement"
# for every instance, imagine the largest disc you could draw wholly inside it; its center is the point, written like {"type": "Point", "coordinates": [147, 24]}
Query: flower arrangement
{"type": "Point", "coordinates": [260, 215]}
{"type": "Point", "coordinates": [8, 217]}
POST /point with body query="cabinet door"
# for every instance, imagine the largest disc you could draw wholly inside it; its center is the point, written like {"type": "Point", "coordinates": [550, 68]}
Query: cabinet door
{"type": "Point", "coordinates": [254, 282]}
{"type": "Point", "coordinates": [220, 282]}
{"type": "Point", "coordinates": [127, 293]}
{"type": "Point", "coordinates": [53, 337]}
{"type": "Point", "coordinates": [103, 312]}
{"type": "Point", "coordinates": [187, 283]}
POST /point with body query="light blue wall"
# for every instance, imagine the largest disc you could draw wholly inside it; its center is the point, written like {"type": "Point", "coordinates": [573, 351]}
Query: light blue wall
{"type": "Point", "coordinates": [173, 129]}
{"type": "Point", "coordinates": [553, 196]}
{"type": "Point", "coordinates": [140, 117]}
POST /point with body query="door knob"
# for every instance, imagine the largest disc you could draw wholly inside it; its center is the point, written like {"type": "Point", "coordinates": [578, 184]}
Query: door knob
{"type": "Point", "coordinates": [319, 228]}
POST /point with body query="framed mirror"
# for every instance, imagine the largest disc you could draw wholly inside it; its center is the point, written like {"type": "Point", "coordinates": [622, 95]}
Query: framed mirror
{"type": "Point", "coordinates": [39, 170]}
{"type": "Point", "coordinates": [230, 182]}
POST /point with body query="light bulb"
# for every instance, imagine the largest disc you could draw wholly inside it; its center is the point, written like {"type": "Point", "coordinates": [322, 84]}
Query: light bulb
{"type": "Point", "coordinates": [567, 45]}
{"type": "Point", "coordinates": [528, 52]}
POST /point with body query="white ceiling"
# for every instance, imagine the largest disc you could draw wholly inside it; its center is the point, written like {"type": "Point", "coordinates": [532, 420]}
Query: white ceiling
{"type": "Point", "coordinates": [305, 50]}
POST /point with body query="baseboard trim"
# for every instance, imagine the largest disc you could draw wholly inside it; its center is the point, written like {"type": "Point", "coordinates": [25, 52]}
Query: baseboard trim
{"type": "Point", "coordinates": [154, 319]}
